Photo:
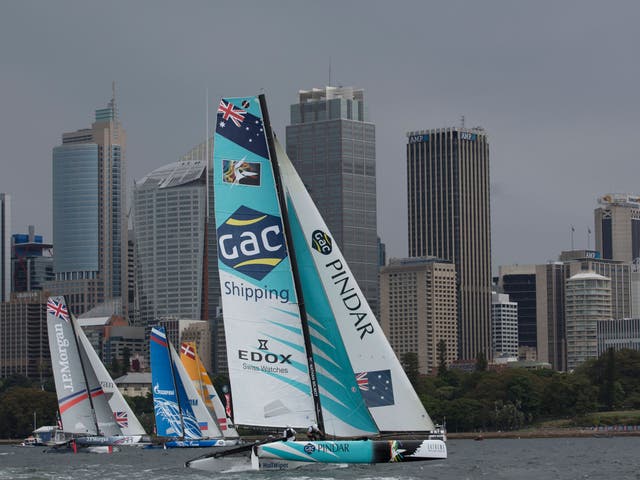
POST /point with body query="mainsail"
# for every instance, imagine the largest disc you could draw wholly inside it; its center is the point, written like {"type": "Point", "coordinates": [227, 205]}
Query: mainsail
{"type": "Point", "coordinates": [201, 380]}
{"type": "Point", "coordinates": [83, 406]}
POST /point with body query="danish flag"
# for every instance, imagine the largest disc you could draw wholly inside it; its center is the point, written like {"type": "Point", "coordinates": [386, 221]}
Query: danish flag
{"type": "Point", "coordinates": [188, 350]}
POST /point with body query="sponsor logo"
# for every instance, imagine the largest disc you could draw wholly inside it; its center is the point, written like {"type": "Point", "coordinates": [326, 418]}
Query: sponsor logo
{"type": "Point", "coordinates": [251, 242]}
{"type": "Point", "coordinates": [241, 172]}
{"type": "Point", "coordinates": [321, 242]}
{"type": "Point", "coordinates": [309, 448]}
{"type": "Point", "coordinates": [249, 292]}
{"type": "Point", "coordinates": [350, 296]}
{"type": "Point", "coordinates": [157, 390]}
{"type": "Point", "coordinates": [333, 447]}
{"type": "Point", "coordinates": [261, 356]}
{"type": "Point", "coordinates": [418, 138]}
{"type": "Point", "coordinates": [468, 136]}
{"type": "Point", "coordinates": [63, 358]}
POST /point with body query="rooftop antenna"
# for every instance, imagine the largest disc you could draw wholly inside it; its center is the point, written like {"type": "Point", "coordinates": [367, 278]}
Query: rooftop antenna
{"type": "Point", "coordinates": [462, 121]}
{"type": "Point", "coordinates": [572, 232]}
{"type": "Point", "coordinates": [329, 71]}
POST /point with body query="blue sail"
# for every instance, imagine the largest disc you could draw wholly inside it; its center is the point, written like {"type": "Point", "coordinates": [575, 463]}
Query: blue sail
{"type": "Point", "coordinates": [173, 413]}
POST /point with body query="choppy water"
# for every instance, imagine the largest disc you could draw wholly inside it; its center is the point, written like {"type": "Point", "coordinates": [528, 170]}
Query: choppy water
{"type": "Point", "coordinates": [616, 458]}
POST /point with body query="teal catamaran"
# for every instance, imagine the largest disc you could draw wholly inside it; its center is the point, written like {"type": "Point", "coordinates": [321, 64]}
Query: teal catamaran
{"type": "Point", "coordinates": [303, 345]}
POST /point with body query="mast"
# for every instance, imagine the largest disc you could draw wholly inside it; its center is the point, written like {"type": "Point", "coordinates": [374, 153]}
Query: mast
{"type": "Point", "coordinates": [175, 383]}
{"type": "Point", "coordinates": [315, 391]}
{"type": "Point", "coordinates": [72, 320]}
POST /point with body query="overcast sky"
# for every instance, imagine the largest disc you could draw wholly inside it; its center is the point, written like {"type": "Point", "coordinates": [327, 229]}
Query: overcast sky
{"type": "Point", "coordinates": [554, 83]}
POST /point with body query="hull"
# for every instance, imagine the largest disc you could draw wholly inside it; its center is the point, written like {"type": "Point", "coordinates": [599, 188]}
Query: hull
{"type": "Point", "coordinates": [289, 455]}
{"type": "Point", "coordinates": [204, 443]}
{"type": "Point", "coordinates": [108, 441]}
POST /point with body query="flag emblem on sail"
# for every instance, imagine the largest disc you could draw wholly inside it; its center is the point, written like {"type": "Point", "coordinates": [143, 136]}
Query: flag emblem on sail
{"type": "Point", "coordinates": [58, 309]}
{"type": "Point", "coordinates": [376, 388]}
{"type": "Point", "coordinates": [242, 128]}
{"type": "Point", "coordinates": [188, 350]}
{"type": "Point", "coordinates": [122, 419]}
{"type": "Point", "coordinates": [251, 242]}
{"type": "Point", "coordinates": [241, 172]}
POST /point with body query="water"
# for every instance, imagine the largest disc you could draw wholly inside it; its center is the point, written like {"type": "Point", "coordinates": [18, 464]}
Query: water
{"type": "Point", "coordinates": [616, 458]}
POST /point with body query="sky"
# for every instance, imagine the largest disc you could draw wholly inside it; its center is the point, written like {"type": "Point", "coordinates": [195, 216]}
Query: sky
{"type": "Point", "coordinates": [554, 83]}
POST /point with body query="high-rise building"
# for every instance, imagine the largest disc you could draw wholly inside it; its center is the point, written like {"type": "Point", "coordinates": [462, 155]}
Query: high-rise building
{"type": "Point", "coordinates": [449, 218]}
{"type": "Point", "coordinates": [331, 142]}
{"type": "Point", "coordinates": [89, 220]}
{"type": "Point", "coordinates": [504, 326]}
{"type": "Point", "coordinates": [418, 309]}
{"type": "Point", "coordinates": [617, 223]}
{"type": "Point", "coordinates": [519, 282]}
{"type": "Point", "coordinates": [550, 318]}
{"type": "Point", "coordinates": [588, 300]}
{"type": "Point", "coordinates": [5, 247]}
{"type": "Point", "coordinates": [169, 217]}
{"type": "Point", "coordinates": [24, 345]}
{"type": "Point", "coordinates": [31, 262]}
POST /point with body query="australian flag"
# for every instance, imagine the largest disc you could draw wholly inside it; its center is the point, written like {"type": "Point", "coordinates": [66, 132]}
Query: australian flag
{"type": "Point", "coordinates": [241, 127]}
{"type": "Point", "coordinates": [376, 388]}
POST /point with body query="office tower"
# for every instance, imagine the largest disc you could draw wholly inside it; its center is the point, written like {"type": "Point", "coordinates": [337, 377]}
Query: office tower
{"type": "Point", "coordinates": [418, 309]}
{"type": "Point", "coordinates": [550, 321]}
{"type": "Point", "coordinates": [588, 300]}
{"type": "Point", "coordinates": [169, 217]}
{"type": "Point", "coordinates": [504, 326]}
{"type": "Point", "coordinates": [519, 282]}
{"type": "Point", "coordinates": [331, 142]}
{"type": "Point", "coordinates": [449, 218]}
{"type": "Point", "coordinates": [5, 246]}
{"type": "Point", "coordinates": [31, 262]}
{"type": "Point", "coordinates": [617, 223]}
{"type": "Point", "coordinates": [89, 221]}
{"type": "Point", "coordinates": [618, 334]}
{"type": "Point", "coordinates": [24, 345]}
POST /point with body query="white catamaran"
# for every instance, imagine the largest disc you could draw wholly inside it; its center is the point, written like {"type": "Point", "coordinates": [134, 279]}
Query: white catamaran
{"type": "Point", "coordinates": [92, 409]}
{"type": "Point", "coordinates": [182, 417]}
{"type": "Point", "coordinates": [303, 345]}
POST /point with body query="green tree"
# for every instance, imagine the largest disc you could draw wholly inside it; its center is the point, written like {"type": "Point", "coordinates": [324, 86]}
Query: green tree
{"type": "Point", "coordinates": [409, 361]}
{"type": "Point", "coordinates": [18, 407]}
{"type": "Point", "coordinates": [126, 360]}
{"type": "Point", "coordinates": [442, 357]}
{"type": "Point", "coordinates": [481, 362]}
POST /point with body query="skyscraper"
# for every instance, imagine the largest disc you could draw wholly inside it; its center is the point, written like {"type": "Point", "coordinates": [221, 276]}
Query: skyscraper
{"type": "Point", "coordinates": [169, 219]}
{"type": "Point", "coordinates": [449, 218]}
{"type": "Point", "coordinates": [504, 326]}
{"type": "Point", "coordinates": [89, 221]}
{"type": "Point", "coordinates": [5, 247]}
{"type": "Point", "coordinates": [331, 142]}
{"type": "Point", "coordinates": [31, 262]}
{"type": "Point", "coordinates": [519, 282]}
{"type": "Point", "coordinates": [617, 223]}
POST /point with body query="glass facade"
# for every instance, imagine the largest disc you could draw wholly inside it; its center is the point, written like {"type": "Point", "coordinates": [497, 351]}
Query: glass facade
{"type": "Point", "coordinates": [75, 211]}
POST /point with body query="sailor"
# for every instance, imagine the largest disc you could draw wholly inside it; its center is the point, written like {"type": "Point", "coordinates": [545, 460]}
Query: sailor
{"type": "Point", "coordinates": [289, 434]}
{"type": "Point", "coordinates": [314, 433]}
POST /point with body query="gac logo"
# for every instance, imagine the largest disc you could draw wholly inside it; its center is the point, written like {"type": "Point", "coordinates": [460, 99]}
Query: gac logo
{"type": "Point", "coordinates": [251, 242]}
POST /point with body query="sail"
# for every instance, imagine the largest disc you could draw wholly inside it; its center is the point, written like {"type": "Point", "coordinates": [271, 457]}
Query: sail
{"type": "Point", "coordinates": [267, 360]}
{"type": "Point", "coordinates": [174, 416]}
{"type": "Point", "coordinates": [331, 293]}
{"type": "Point", "coordinates": [121, 411]}
{"type": "Point", "coordinates": [200, 378]}
{"type": "Point", "coordinates": [207, 425]}
{"type": "Point", "coordinates": [83, 406]}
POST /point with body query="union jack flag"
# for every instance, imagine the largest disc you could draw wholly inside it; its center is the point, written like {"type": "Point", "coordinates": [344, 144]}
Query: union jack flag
{"type": "Point", "coordinates": [188, 350]}
{"type": "Point", "coordinates": [122, 419]}
{"type": "Point", "coordinates": [229, 111]}
{"type": "Point", "coordinates": [58, 309]}
{"type": "Point", "coordinates": [363, 381]}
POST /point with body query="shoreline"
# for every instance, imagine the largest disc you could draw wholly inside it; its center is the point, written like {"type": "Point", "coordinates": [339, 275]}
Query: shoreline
{"type": "Point", "coordinates": [543, 433]}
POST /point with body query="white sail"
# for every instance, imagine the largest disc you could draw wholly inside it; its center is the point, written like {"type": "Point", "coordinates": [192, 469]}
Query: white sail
{"type": "Point", "coordinates": [83, 406]}
{"type": "Point", "coordinates": [122, 413]}
{"type": "Point", "coordinates": [392, 401]}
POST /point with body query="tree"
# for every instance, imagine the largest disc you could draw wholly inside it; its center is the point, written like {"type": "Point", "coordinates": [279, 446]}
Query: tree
{"type": "Point", "coordinates": [481, 362]}
{"type": "Point", "coordinates": [126, 360]}
{"type": "Point", "coordinates": [409, 361]}
{"type": "Point", "coordinates": [442, 357]}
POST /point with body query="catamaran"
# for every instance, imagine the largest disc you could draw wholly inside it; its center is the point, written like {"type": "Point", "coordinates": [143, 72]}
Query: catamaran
{"type": "Point", "coordinates": [92, 409]}
{"type": "Point", "coordinates": [181, 414]}
{"type": "Point", "coordinates": [303, 345]}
